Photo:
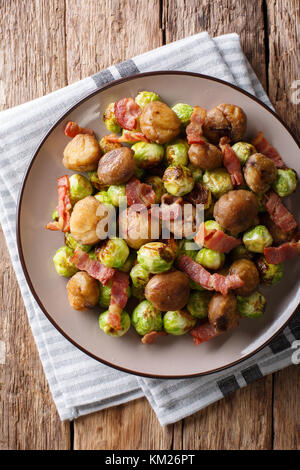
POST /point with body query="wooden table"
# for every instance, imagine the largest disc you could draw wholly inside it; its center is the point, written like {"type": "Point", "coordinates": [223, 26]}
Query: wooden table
{"type": "Point", "coordinates": [48, 44]}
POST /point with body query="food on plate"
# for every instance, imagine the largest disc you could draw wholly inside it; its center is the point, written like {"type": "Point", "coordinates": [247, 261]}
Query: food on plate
{"type": "Point", "coordinates": [179, 211]}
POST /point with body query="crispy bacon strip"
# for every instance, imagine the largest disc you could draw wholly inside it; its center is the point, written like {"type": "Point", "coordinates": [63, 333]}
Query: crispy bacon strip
{"type": "Point", "coordinates": [231, 162]}
{"type": "Point", "coordinates": [278, 254]}
{"type": "Point", "coordinates": [279, 214]}
{"type": "Point", "coordinates": [139, 193]}
{"type": "Point", "coordinates": [130, 137]}
{"type": "Point", "coordinates": [53, 226]}
{"type": "Point", "coordinates": [202, 332]}
{"type": "Point", "coordinates": [215, 239]}
{"type": "Point", "coordinates": [149, 338]}
{"type": "Point", "coordinates": [93, 267]}
{"type": "Point", "coordinates": [126, 112]}
{"type": "Point", "coordinates": [118, 299]}
{"type": "Point", "coordinates": [64, 206]}
{"type": "Point", "coordinates": [72, 129]}
{"type": "Point", "coordinates": [263, 146]}
{"type": "Point", "coordinates": [194, 130]}
{"type": "Point", "coordinates": [209, 281]}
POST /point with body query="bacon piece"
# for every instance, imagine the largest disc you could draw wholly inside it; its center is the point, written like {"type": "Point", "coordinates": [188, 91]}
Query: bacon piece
{"type": "Point", "coordinates": [118, 299]}
{"type": "Point", "coordinates": [231, 162]}
{"type": "Point", "coordinates": [278, 254]}
{"type": "Point", "coordinates": [203, 332]}
{"type": "Point", "coordinates": [72, 129]}
{"type": "Point", "coordinates": [215, 239]}
{"type": "Point", "coordinates": [126, 112]}
{"type": "Point", "coordinates": [64, 206]}
{"type": "Point", "coordinates": [280, 215]}
{"type": "Point", "coordinates": [194, 130]}
{"type": "Point", "coordinates": [114, 316]}
{"type": "Point", "coordinates": [149, 338]}
{"type": "Point", "coordinates": [93, 267]}
{"type": "Point", "coordinates": [263, 146]}
{"type": "Point", "coordinates": [208, 281]}
{"type": "Point", "coordinates": [199, 195]}
{"type": "Point", "coordinates": [127, 137]}
{"type": "Point", "coordinates": [53, 226]}
{"type": "Point", "coordinates": [139, 193]}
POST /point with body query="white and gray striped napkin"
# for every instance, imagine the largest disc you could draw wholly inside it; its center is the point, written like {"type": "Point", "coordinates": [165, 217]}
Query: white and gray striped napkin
{"type": "Point", "coordinates": [78, 383]}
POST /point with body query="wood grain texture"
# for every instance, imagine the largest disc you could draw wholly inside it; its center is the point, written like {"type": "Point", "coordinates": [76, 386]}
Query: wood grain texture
{"type": "Point", "coordinates": [32, 64]}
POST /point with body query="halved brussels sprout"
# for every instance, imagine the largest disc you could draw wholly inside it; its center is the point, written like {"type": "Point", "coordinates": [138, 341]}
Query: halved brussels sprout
{"type": "Point", "coordinates": [139, 275]}
{"type": "Point", "coordinates": [146, 97]}
{"type": "Point", "coordinates": [196, 172]}
{"type": "Point", "coordinates": [113, 253]}
{"type": "Point", "coordinates": [72, 243]}
{"type": "Point", "coordinates": [269, 273]}
{"type": "Point", "coordinates": [107, 146]}
{"type": "Point", "coordinates": [110, 120]}
{"type": "Point", "coordinates": [80, 187]}
{"type": "Point", "coordinates": [218, 181]}
{"type": "Point", "coordinates": [117, 194]}
{"type": "Point", "coordinates": [146, 318]}
{"type": "Point", "coordinates": [147, 155]}
{"type": "Point", "coordinates": [178, 322]}
{"type": "Point", "coordinates": [103, 197]}
{"type": "Point", "coordinates": [127, 266]}
{"type": "Point", "coordinates": [189, 248]}
{"type": "Point", "coordinates": [178, 180]}
{"type": "Point", "coordinates": [177, 153]}
{"type": "Point", "coordinates": [156, 257]}
{"type": "Point", "coordinates": [198, 303]}
{"type": "Point", "coordinates": [109, 330]}
{"type": "Point", "coordinates": [252, 306]}
{"type": "Point", "coordinates": [243, 150]}
{"type": "Point", "coordinates": [286, 182]}
{"type": "Point", "coordinates": [105, 294]}
{"type": "Point", "coordinates": [62, 262]}
{"type": "Point", "coordinates": [257, 238]}
{"type": "Point", "coordinates": [158, 187]}
{"type": "Point", "coordinates": [210, 259]}
{"type": "Point", "coordinates": [184, 112]}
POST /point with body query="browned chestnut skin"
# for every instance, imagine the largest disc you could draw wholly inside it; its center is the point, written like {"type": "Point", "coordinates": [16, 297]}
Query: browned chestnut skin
{"type": "Point", "coordinates": [259, 172]}
{"type": "Point", "coordinates": [116, 166]}
{"type": "Point", "coordinates": [225, 120]}
{"type": "Point", "coordinates": [248, 272]}
{"type": "Point", "coordinates": [168, 291]}
{"type": "Point", "coordinates": [83, 291]}
{"type": "Point", "coordinates": [236, 210]}
{"type": "Point", "coordinates": [223, 312]}
{"type": "Point", "coordinates": [159, 123]}
{"type": "Point", "coordinates": [206, 156]}
{"type": "Point", "coordinates": [278, 235]}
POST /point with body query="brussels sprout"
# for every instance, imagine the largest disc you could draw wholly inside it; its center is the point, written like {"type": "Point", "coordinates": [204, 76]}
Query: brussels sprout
{"type": "Point", "coordinates": [113, 253]}
{"type": "Point", "coordinates": [139, 173]}
{"type": "Point", "coordinates": [116, 193]}
{"type": "Point", "coordinates": [109, 330]}
{"type": "Point", "coordinates": [286, 182]}
{"type": "Point", "coordinates": [210, 259]}
{"type": "Point", "coordinates": [178, 180]}
{"type": "Point", "coordinates": [269, 273]}
{"type": "Point", "coordinates": [80, 187]}
{"type": "Point", "coordinates": [156, 257]}
{"type": "Point", "coordinates": [139, 275]}
{"type": "Point", "coordinates": [243, 150]}
{"type": "Point", "coordinates": [218, 181]}
{"type": "Point", "coordinates": [257, 238]}
{"type": "Point", "coordinates": [213, 225]}
{"type": "Point", "coordinates": [146, 318]}
{"type": "Point", "coordinates": [103, 197]}
{"type": "Point", "coordinates": [195, 286]}
{"type": "Point", "coordinates": [198, 303]}
{"type": "Point", "coordinates": [189, 248]}
{"type": "Point", "coordinates": [72, 243]}
{"type": "Point", "coordinates": [110, 120]}
{"type": "Point", "coordinates": [62, 262]}
{"type": "Point", "coordinates": [184, 112]}
{"type": "Point", "coordinates": [54, 215]}
{"type": "Point", "coordinates": [127, 266]}
{"type": "Point", "coordinates": [252, 306]}
{"type": "Point", "coordinates": [105, 294]}
{"type": "Point", "coordinates": [158, 187]}
{"type": "Point", "coordinates": [145, 97]}
{"type": "Point", "coordinates": [177, 153]}
{"type": "Point", "coordinates": [147, 155]}
{"type": "Point", "coordinates": [107, 146]}
{"type": "Point", "coordinates": [138, 292]}
{"type": "Point", "coordinates": [93, 177]}
{"type": "Point", "coordinates": [241, 252]}
{"type": "Point", "coordinates": [196, 172]}
{"type": "Point", "coordinates": [178, 322]}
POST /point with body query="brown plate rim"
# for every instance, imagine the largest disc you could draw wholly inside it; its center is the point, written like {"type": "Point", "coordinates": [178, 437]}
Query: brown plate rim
{"type": "Point", "coordinates": [19, 207]}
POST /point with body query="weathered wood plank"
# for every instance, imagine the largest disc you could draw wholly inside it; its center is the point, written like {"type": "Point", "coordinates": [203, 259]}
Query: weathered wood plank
{"type": "Point", "coordinates": [284, 39]}
{"type": "Point", "coordinates": [32, 64]}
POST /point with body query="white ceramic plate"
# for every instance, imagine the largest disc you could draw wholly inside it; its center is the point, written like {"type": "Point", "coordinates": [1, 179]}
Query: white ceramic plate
{"type": "Point", "coordinates": [169, 357]}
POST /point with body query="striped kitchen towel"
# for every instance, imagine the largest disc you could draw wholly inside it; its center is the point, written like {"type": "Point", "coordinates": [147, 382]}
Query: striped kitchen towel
{"type": "Point", "coordinates": [79, 384]}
